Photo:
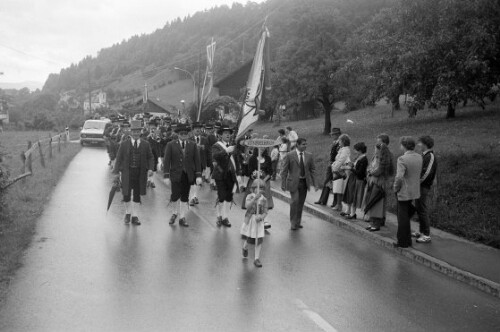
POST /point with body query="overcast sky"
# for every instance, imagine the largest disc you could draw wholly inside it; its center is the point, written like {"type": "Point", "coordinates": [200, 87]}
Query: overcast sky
{"type": "Point", "coordinates": [39, 37]}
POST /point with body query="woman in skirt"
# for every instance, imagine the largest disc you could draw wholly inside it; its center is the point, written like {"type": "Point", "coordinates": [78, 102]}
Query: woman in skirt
{"type": "Point", "coordinates": [355, 189]}
{"type": "Point", "coordinates": [252, 229]}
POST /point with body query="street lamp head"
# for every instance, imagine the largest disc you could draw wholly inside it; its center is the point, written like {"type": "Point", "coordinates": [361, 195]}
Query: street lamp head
{"type": "Point", "coordinates": [176, 68]}
{"type": "Point", "coordinates": [182, 101]}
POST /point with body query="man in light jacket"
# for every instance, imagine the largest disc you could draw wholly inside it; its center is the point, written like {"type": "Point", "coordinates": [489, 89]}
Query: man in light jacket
{"type": "Point", "coordinates": [298, 175]}
{"type": "Point", "coordinates": [407, 188]}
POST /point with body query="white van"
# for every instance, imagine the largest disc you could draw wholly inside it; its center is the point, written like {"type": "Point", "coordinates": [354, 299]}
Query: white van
{"type": "Point", "coordinates": [93, 131]}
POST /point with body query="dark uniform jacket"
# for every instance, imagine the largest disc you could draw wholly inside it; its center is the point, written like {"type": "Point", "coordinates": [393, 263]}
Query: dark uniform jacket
{"type": "Point", "coordinates": [224, 165]}
{"type": "Point", "coordinates": [211, 140]}
{"type": "Point", "coordinates": [123, 159]}
{"type": "Point", "coordinates": [176, 161]}
{"type": "Point", "coordinates": [203, 149]}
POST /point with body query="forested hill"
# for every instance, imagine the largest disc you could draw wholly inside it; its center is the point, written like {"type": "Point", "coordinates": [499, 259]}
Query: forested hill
{"type": "Point", "coordinates": [235, 29]}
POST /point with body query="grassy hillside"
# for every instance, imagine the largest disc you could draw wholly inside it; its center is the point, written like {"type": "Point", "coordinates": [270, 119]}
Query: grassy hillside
{"type": "Point", "coordinates": [467, 149]}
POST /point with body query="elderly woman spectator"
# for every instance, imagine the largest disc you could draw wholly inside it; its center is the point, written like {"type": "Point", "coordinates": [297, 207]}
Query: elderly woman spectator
{"type": "Point", "coordinates": [355, 188]}
{"type": "Point", "coordinates": [407, 188]}
{"type": "Point", "coordinates": [341, 160]}
{"type": "Point", "coordinates": [380, 171]}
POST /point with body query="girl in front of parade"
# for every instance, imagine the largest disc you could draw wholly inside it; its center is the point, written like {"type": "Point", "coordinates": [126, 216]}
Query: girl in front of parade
{"type": "Point", "coordinates": [252, 229]}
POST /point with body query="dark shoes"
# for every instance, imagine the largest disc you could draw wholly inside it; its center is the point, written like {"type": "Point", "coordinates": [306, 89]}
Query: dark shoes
{"type": "Point", "coordinates": [135, 221]}
{"type": "Point", "coordinates": [192, 202]}
{"type": "Point", "coordinates": [127, 218]}
{"type": "Point", "coordinates": [319, 203]}
{"type": "Point", "coordinates": [294, 228]}
{"type": "Point", "coordinates": [183, 222]}
{"type": "Point", "coordinates": [245, 252]}
{"type": "Point", "coordinates": [257, 263]}
{"type": "Point", "coordinates": [351, 217]}
{"type": "Point", "coordinates": [225, 222]}
{"type": "Point", "coordinates": [395, 245]}
{"type": "Point", "coordinates": [172, 219]}
{"type": "Point", "coordinates": [219, 221]}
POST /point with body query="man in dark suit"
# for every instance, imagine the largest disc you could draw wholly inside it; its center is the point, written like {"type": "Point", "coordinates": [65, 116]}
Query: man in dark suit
{"type": "Point", "coordinates": [202, 144]}
{"type": "Point", "coordinates": [226, 174]}
{"type": "Point", "coordinates": [134, 160]}
{"type": "Point", "coordinates": [181, 166]}
{"type": "Point", "coordinates": [297, 176]}
{"type": "Point", "coordinates": [323, 200]}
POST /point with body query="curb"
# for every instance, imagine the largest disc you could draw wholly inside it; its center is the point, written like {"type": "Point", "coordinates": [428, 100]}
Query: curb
{"type": "Point", "coordinates": [435, 264]}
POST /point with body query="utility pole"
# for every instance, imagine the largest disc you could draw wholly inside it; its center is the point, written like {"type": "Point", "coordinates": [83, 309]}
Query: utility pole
{"type": "Point", "coordinates": [90, 95]}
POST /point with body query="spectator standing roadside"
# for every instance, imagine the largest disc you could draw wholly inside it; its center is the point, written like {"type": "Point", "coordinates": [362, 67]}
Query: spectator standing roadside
{"type": "Point", "coordinates": [297, 176]}
{"type": "Point", "coordinates": [380, 171]}
{"type": "Point", "coordinates": [407, 188]}
{"type": "Point", "coordinates": [327, 185]}
{"type": "Point", "coordinates": [292, 137]}
{"type": "Point", "coordinates": [428, 174]}
{"type": "Point", "coordinates": [342, 159]}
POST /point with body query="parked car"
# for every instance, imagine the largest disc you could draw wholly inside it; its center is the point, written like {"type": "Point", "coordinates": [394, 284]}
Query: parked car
{"type": "Point", "coordinates": [93, 131]}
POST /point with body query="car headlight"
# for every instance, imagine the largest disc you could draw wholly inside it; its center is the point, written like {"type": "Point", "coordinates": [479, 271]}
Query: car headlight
{"type": "Point", "coordinates": [83, 135]}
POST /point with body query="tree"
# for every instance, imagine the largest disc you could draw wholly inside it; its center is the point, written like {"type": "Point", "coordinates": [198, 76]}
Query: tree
{"type": "Point", "coordinates": [440, 52]}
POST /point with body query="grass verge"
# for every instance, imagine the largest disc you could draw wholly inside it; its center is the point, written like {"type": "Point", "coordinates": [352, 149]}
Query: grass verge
{"type": "Point", "coordinates": [22, 203]}
{"type": "Point", "coordinates": [465, 202]}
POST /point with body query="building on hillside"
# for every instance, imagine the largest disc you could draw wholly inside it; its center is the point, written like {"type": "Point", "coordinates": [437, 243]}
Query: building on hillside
{"type": "Point", "coordinates": [98, 101]}
{"type": "Point", "coordinates": [234, 83]}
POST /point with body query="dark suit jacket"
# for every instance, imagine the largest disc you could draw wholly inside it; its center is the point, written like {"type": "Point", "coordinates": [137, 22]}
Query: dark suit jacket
{"type": "Point", "coordinates": [211, 140]}
{"type": "Point", "coordinates": [290, 174]}
{"type": "Point", "coordinates": [203, 150]}
{"type": "Point", "coordinates": [224, 164]}
{"type": "Point", "coordinates": [122, 163]}
{"type": "Point", "coordinates": [176, 161]}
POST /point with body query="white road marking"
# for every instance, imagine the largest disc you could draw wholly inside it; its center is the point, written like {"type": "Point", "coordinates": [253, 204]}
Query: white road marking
{"type": "Point", "coordinates": [315, 317]}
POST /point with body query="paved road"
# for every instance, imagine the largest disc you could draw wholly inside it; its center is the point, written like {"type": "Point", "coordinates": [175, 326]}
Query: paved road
{"type": "Point", "coordinates": [87, 271]}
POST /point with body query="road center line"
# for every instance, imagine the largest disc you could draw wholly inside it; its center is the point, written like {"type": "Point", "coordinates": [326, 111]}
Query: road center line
{"type": "Point", "coordinates": [315, 317]}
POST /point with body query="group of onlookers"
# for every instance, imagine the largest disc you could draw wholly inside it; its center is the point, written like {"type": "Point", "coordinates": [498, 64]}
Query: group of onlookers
{"type": "Point", "coordinates": [360, 184]}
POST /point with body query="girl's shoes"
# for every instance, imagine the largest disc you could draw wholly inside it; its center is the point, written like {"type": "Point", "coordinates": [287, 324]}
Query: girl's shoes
{"type": "Point", "coordinates": [343, 214]}
{"type": "Point", "coordinates": [257, 263]}
{"type": "Point", "coordinates": [351, 217]}
{"type": "Point", "coordinates": [245, 252]}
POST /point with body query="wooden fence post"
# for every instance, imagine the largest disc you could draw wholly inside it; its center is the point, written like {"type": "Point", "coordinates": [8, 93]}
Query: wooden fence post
{"type": "Point", "coordinates": [59, 143]}
{"type": "Point", "coordinates": [42, 159]}
{"type": "Point", "coordinates": [30, 166]}
{"type": "Point", "coordinates": [50, 147]}
{"type": "Point", "coordinates": [23, 168]}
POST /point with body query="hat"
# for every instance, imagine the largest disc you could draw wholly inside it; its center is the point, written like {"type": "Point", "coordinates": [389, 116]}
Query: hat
{"type": "Point", "coordinates": [217, 125]}
{"type": "Point", "coordinates": [336, 131]}
{"type": "Point", "coordinates": [197, 125]}
{"type": "Point", "coordinates": [209, 126]}
{"type": "Point", "coordinates": [182, 127]}
{"type": "Point", "coordinates": [224, 128]}
{"type": "Point", "coordinates": [135, 125]}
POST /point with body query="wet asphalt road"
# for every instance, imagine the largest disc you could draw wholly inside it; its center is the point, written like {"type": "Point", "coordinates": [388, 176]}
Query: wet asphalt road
{"type": "Point", "coordinates": [87, 271]}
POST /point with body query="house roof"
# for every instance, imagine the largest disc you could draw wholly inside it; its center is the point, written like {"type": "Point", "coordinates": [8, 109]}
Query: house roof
{"type": "Point", "coordinates": [243, 69]}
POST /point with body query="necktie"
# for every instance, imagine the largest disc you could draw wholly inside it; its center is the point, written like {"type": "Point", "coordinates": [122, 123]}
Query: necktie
{"type": "Point", "coordinates": [197, 140]}
{"type": "Point", "coordinates": [182, 145]}
{"type": "Point", "coordinates": [135, 144]}
{"type": "Point", "coordinates": [227, 145]}
{"type": "Point", "coordinates": [302, 167]}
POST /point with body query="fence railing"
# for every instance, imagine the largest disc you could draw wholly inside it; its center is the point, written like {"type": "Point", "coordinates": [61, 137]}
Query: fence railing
{"type": "Point", "coordinates": [39, 150]}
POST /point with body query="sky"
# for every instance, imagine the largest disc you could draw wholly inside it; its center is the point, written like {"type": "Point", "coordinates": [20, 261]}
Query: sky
{"type": "Point", "coordinates": [39, 37]}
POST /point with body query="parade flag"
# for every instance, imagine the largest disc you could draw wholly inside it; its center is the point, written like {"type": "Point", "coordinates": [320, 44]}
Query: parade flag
{"type": "Point", "coordinates": [209, 74]}
{"type": "Point", "coordinates": [258, 79]}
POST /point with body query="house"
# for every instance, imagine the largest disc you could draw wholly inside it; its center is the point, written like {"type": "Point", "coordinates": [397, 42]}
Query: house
{"type": "Point", "coordinates": [98, 101]}
{"type": "Point", "coordinates": [234, 83]}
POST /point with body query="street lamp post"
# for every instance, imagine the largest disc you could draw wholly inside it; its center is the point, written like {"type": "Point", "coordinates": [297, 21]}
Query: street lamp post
{"type": "Point", "coordinates": [192, 77]}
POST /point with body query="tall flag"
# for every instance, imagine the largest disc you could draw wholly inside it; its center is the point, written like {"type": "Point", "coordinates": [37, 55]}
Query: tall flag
{"type": "Point", "coordinates": [258, 79]}
{"type": "Point", "coordinates": [209, 73]}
